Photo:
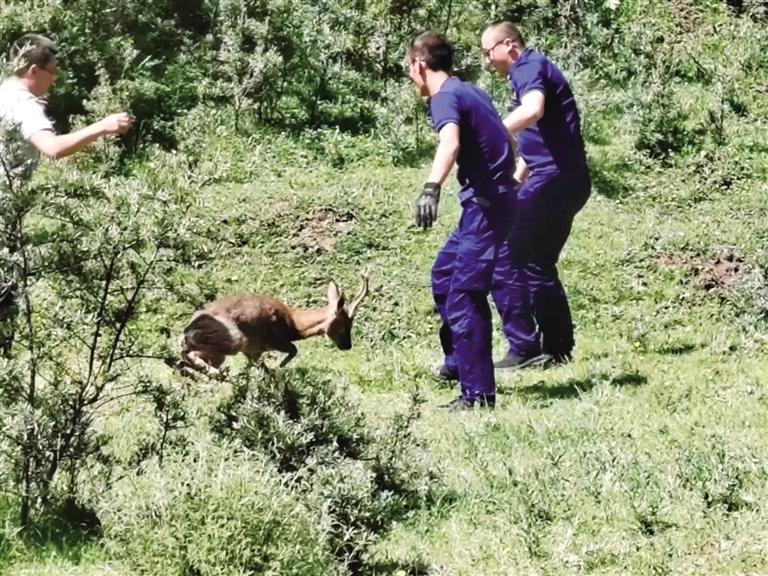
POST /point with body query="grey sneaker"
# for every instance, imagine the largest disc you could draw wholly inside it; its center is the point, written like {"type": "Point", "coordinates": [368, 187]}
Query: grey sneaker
{"type": "Point", "coordinates": [444, 374]}
{"type": "Point", "coordinates": [515, 362]}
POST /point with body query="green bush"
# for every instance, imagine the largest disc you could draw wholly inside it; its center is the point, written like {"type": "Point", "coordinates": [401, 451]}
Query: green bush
{"type": "Point", "coordinates": [213, 512]}
{"type": "Point", "coordinates": [293, 418]}
{"type": "Point", "coordinates": [664, 128]}
{"type": "Point", "coordinates": [358, 479]}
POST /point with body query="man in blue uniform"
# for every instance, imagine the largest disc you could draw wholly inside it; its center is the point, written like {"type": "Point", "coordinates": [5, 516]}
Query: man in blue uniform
{"type": "Point", "coordinates": [555, 186]}
{"type": "Point", "coordinates": [475, 258]}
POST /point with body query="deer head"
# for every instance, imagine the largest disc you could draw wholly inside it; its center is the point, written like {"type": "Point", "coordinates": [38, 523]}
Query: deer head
{"type": "Point", "coordinates": [341, 314]}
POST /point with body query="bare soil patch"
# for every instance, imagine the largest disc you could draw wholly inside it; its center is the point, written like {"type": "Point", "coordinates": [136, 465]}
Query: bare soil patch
{"type": "Point", "coordinates": [319, 230]}
{"type": "Point", "coordinates": [722, 271]}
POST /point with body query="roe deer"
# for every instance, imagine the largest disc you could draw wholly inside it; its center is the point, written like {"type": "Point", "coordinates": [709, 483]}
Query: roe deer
{"type": "Point", "coordinates": [253, 324]}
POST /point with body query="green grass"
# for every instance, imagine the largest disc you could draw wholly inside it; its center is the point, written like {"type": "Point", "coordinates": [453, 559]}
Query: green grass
{"type": "Point", "coordinates": [647, 455]}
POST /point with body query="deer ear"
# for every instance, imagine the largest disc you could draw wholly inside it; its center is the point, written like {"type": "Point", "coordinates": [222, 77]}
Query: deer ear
{"type": "Point", "coordinates": [360, 296]}
{"type": "Point", "coordinates": [334, 295]}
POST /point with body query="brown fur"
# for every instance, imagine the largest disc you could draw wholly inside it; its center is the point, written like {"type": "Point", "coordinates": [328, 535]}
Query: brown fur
{"type": "Point", "coordinates": [253, 324]}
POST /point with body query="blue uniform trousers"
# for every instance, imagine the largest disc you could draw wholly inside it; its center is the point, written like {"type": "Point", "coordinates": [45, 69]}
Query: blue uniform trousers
{"type": "Point", "coordinates": [474, 261]}
{"type": "Point", "coordinates": [546, 206]}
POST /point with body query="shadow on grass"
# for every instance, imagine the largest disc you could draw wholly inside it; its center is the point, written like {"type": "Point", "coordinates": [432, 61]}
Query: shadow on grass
{"type": "Point", "coordinates": [677, 349]}
{"type": "Point", "coordinates": [66, 527]}
{"type": "Point", "coordinates": [575, 387]}
{"type": "Point", "coordinates": [607, 182]}
{"type": "Point", "coordinates": [397, 568]}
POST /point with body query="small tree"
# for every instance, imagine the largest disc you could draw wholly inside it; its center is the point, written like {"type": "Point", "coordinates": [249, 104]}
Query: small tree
{"type": "Point", "coordinates": [250, 65]}
{"type": "Point", "coordinates": [91, 263]}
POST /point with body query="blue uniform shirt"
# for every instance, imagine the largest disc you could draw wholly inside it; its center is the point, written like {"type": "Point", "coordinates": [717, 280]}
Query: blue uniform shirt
{"type": "Point", "coordinates": [486, 160]}
{"type": "Point", "coordinates": [555, 141]}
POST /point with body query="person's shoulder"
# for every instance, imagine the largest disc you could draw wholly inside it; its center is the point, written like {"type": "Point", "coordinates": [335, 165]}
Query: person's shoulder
{"type": "Point", "coordinates": [534, 68]}
{"type": "Point", "coordinates": [13, 93]}
{"type": "Point", "coordinates": [11, 86]}
{"type": "Point", "coordinates": [7, 88]}
{"type": "Point", "coordinates": [8, 96]}
{"type": "Point", "coordinates": [545, 62]}
{"type": "Point", "coordinates": [533, 59]}
{"type": "Point", "coordinates": [449, 93]}
{"type": "Point", "coordinates": [452, 85]}
{"type": "Point", "coordinates": [463, 88]}
{"type": "Point", "coordinates": [22, 110]}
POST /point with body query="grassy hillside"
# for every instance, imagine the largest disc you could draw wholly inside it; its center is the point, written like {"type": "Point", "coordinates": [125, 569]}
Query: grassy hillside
{"type": "Point", "coordinates": [646, 455]}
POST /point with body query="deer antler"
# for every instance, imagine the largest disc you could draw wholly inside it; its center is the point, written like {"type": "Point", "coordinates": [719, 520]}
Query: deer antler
{"type": "Point", "coordinates": [361, 293]}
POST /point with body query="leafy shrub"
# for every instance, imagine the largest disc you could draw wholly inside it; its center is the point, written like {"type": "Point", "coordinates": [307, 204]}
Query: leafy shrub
{"type": "Point", "coordinates": [663, 126]}
{"type": "Point", "coordinates": [402, 133]}
{"type": "Point", "coordinates": [213, 512]}
{"type": "Point", "coordinates": [292, 420]}
{"type": "Point", "coordinates": [357, 478]}
{"type": "Point", "coordinates": [98, 254]}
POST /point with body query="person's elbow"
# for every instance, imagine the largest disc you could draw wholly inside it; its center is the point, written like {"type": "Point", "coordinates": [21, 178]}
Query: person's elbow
{"type": "Point", "coordinates": [450, 144]}
{"type": "Point", "coordinates": [54, 153]}
{"type": "Point", "coordinates": [47, 144]}
{"type": "Point", "coordinates": [532, 112]}
{"type": "Point", "coordinates": [536, 113]}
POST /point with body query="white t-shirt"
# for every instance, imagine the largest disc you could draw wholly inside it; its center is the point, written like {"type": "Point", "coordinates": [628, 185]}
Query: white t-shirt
{"type": "Point", "coordinates": [22, 114]}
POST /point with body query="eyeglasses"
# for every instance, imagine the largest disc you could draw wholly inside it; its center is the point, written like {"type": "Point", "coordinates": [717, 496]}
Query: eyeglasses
{"type": "Point", "coordinates": [487, 52]}
{"type": "Point", "coordinates": [53, 71]}
{"type": "Point", "coordinates": [411, 62]}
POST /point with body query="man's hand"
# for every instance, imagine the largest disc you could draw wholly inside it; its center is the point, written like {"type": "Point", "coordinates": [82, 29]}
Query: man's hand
{"type": "Point", "coordinates": [118, 123]}
{"type": "Point", "coordinates": [521, 175]}
{"type": "Point", "coordinates": [521, 171]}
{"type": "Point", "coordinates": [426, 205]}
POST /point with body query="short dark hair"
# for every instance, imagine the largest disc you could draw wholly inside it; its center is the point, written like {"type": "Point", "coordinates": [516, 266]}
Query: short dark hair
{"type": "Point", "coordinates": [435, 50]}
{"type": "Point", "coordinates": [504, 29]}
{"type": "Point", "coordinates": [32, 49]}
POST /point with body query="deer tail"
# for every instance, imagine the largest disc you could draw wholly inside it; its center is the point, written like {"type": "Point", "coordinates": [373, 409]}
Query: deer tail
{"type": "Point", "coordinates": [208, 332]}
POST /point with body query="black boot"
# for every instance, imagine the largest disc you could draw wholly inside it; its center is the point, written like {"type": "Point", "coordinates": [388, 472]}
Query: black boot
{"type": "Point", "coordinates": [461, 404]}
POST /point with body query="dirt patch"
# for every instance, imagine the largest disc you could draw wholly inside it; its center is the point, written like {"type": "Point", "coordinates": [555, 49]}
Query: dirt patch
{"type": "Point", "coordinates": [721, 272]}
{"type": "Point", "coordinates": [726, 271]}
{"type": "Point", "coordinates": [319, 230]}
{"type": "Point", "coordinates": [688, 15]}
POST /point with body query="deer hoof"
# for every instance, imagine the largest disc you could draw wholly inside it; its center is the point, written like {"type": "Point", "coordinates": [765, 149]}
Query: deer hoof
{"type": "Point", "coordinates": [217, 374]}
{"type": "Point", "coordinates": [187, 372]}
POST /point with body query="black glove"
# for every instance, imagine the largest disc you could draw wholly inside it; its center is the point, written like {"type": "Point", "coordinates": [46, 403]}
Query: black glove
{"type": "Point", "coordinates": [426, 205]}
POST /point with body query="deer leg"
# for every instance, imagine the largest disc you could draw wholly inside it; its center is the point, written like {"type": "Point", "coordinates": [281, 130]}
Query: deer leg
{"type": "Point", "coordinates": [254, 359]}
{"type": "Point", "coordinates": [186, 370]}
{"type": "Point", "coordinates": [215, 360]}
{"type": "Point", "coordinates": [289, 349]}
{"type": "Point", "coordinates": [207, 364]}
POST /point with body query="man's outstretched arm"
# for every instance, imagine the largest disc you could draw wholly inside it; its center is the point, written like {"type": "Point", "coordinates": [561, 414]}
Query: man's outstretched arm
{"type": "Point", "coordinates": [62, 145]}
